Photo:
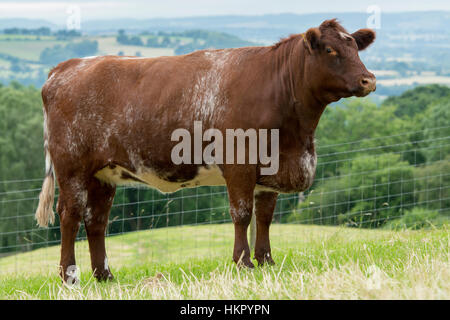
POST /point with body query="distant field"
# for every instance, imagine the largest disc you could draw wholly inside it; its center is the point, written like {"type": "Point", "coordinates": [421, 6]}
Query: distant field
{"type": "Point", "coordinates": [422, 79]}
{"type": "Point", "coordinates": [109, 45]}
{"type": "Point", "coordinates": [27, 47]}
{"type": "Point", "coordinates": [385, 73]}
{"type": "Point", "coordinates": [29, 50]}
{"type": "Point", "coordinates": [5, 64]}
{"type": "Point", "coordinates": [313, 262]}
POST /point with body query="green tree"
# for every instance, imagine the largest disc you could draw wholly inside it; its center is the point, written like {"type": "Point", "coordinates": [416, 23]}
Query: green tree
{"type": "Point", "coordinates": [416, 101]}
{"type": "Point", "coordinates": [436, 124]}
{"type": "Point", "coordinates": [21, 157]}
{"type": "Point", "coordinates": [58, 53]}
{"type": "Point", "coordinates": [432, 185]}
{"type": "Point", "coordinates": [357, 127]}
{"type": "Point", "coordinates": [368, 192]}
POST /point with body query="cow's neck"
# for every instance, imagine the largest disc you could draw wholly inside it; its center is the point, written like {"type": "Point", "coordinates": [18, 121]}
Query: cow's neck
{"type": "Point", "coordinates": [301, 107]}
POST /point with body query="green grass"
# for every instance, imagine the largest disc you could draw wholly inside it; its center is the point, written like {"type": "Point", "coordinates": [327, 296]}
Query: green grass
{"type": "Point", "coordinates": [313, 262]}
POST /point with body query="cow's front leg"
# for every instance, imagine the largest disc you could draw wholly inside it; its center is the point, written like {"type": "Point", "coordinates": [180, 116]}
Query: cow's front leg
{"type": "Point", "coordinates": [264, 206]}
{"type": "Point", "coordinates": [241, 184]}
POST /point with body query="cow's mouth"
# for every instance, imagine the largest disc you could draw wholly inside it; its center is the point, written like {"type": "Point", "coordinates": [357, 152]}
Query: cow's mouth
{"type": "Point", "coordinates": [365, 86]}
{"type": "Point", "coordinates": [363, 91]}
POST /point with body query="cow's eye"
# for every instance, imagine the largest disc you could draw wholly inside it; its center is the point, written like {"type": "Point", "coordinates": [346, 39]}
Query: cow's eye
{"type": "Point", "coordinates": [329, 50]}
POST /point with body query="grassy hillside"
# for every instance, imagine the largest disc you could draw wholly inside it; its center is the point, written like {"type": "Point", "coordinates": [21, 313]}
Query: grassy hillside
{"type": "Point", "coordinates": [194, 262]}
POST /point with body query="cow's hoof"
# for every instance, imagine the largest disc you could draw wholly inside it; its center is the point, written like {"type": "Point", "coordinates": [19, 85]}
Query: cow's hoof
{"type": "Point", "coordinates": [245, 264]}
{"type": "Point", "coordinates": [265, 261]}
{"type": "Point", "coordinates": [104, 276]}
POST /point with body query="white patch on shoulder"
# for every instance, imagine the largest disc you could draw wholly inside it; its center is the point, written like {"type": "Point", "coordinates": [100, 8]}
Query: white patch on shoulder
{"type": "Point", "coordinates": [308, 164]}
{"type": "Point", "coordinates": [207, 102]}
{"type": "Point", "coordinates": [300, 172]}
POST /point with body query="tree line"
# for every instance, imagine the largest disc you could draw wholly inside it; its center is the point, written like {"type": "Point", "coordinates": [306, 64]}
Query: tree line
{"type": "Point", "coordinates": [62, 34]}
{"type": "Point", "coordinates": [183, 42]}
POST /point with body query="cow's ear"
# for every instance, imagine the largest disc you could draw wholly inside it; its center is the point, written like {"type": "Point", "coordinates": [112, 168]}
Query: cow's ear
{"type": "Point", "coordinates": [364, 37]}
{"type": "Point", "coordinates": [312, 37]}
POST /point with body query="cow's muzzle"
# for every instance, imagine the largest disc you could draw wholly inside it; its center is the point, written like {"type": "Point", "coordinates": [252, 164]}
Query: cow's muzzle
{"type": "Point", "coordinates": [366, 85]}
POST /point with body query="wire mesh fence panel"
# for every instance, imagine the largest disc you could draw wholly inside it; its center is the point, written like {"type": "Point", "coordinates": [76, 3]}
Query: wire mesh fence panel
{"type": "Point", "coordinates": [394, 182]}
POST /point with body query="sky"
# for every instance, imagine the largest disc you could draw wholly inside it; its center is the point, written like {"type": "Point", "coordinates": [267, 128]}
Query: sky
{"type": "Point", "coordinates": [57, 11]}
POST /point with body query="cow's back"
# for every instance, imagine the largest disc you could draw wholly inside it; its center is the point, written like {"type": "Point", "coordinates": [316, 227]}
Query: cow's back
{"type": "Point", "coordinates": [121, 111]}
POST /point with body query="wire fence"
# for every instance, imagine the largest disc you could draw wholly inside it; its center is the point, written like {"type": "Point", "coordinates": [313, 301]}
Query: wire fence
{"type": "Point", "coordinates": [395, 182]}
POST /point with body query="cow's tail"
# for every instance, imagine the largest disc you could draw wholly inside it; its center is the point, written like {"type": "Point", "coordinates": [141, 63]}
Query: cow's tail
{"type": "Point", "coordinates": [44, 212]}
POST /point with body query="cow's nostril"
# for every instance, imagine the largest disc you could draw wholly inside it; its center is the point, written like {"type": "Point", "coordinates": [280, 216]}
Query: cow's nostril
{"type": "Point", "coordinates": [366, 85]}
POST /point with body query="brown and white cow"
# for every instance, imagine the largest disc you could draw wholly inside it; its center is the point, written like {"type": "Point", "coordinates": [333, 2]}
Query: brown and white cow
{"type": "Point", "coordinates": [109, 120]}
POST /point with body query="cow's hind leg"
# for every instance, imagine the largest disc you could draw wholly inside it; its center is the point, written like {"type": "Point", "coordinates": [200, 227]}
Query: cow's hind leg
{"type": "Point", "coordinates": [71, 206]}
{"type": "Point", "coordinates": [99, 202]}
{"type": "Point", "coordinates": [264, 206]}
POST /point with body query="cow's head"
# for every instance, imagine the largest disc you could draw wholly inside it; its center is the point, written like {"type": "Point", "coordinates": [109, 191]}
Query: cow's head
{"type": "Point", "coordinates": [333, 64]}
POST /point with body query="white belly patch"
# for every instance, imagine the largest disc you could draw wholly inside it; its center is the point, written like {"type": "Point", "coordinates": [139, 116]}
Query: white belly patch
{"type": "Point", "coordinates": [115, 176]}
